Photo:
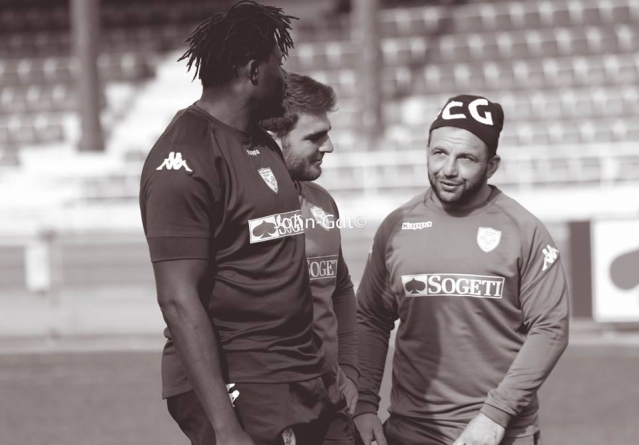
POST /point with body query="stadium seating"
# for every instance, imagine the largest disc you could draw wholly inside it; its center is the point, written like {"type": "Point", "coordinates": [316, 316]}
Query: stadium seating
{"type": "Point", "coordinates": [566, 72]}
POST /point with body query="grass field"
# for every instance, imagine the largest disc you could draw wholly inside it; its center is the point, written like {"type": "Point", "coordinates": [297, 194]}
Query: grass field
{"type": "Point", "coordinates": [112, 398]}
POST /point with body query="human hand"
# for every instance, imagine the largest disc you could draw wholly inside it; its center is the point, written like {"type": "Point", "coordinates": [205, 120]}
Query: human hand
{"type": "Point", "coordinates": [370, 429]}
{"type": "Point", "coordinates": [482, 430]}
{"type": "Point", "coordinates": [350, 394]}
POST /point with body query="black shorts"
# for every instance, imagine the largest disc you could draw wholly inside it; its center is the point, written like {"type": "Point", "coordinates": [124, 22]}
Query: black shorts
{"type": "Point", "coordinates": [315, 410]}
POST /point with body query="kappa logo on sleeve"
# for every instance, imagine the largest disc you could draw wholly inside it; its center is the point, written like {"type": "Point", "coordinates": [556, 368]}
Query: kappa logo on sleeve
{"type": "Point", "coordinates": [174, 162]}
{"type": "Point", "coordinates": [322, 267]}
{"type": "Point", "coordinates": [550, 256]}
{"type": "Point", "coordinates": [453, 285]}
{"type": "Point", "coordinates": [276, 226]}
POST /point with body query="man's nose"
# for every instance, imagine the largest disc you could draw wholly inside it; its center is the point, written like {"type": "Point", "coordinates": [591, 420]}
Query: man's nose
{"type": "Point", "coordinates": [327, 146]}
{"type": "Point", "coordinates": [450, 167]}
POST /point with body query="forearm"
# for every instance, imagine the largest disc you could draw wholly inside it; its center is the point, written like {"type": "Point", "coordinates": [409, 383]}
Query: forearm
{"type": "Point", "coordinates": [534, 362]}
{"type": "Point", "coordinates": [545, 309]}
{"type": "Point", "coordinates": [372, 349]}
{"type": "Point", "coordinates": [196, 343]}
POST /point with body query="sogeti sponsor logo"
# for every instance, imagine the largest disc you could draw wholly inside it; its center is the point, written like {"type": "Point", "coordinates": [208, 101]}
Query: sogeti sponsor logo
{"type": "Point", "coordinates": [322, 267]}
{"type": "Point", "coordinates": [276, 226]}
{"type": "Point", "coordinates": [453, 285]}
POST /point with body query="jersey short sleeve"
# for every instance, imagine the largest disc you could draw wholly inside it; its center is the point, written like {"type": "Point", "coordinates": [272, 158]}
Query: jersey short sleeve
{"type": "Point", "coordinates": [179, 193]}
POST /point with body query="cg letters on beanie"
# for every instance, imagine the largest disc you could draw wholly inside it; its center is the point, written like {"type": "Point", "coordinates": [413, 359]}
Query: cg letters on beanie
{"type": "Point", "coordinates": [476, 114]}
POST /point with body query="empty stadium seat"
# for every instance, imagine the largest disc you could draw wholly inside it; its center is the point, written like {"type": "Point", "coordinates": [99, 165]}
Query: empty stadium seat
{"type": "Point", "coordinates": [31, 129]}
{"type": "Point", "coordinates": [506, 16]}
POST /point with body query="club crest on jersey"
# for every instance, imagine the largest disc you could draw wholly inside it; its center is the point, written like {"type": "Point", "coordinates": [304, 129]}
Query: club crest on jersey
{"type": "Point", "coordinates": [268, 177]}
{"type": "Point", "coordinates": [174, 162]}
{"type": "Point", "coordinates": [322, 217]}
{"type": "Point", "coordinates": [488, 238]}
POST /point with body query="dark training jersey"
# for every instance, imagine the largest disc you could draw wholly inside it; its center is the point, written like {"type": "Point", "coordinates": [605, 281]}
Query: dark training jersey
{"type": "Point", "coordinates": [215, 193]}
{"type": "Point", "coordinates": [333, 296]}
{"type": "Point", "coordinates": [483, 307]}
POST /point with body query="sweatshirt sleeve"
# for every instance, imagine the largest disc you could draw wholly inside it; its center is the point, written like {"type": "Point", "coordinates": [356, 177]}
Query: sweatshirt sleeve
{"type": "Point", "coordinates": [545, 306]}
{"type": "Point", "coordinates": [344, 306]}
{"type": "Point", "coordinates": [376, 315]}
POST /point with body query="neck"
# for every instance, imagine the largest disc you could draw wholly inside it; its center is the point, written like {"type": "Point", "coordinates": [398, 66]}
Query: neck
{"type": "Point", "coordinates": [227, 106]}
{"type": "Point", "coordinates": [480, 197]}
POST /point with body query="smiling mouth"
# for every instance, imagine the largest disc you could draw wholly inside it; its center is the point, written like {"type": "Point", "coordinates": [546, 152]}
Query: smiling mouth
{"type": "Point", "coordinates": [449, 185]}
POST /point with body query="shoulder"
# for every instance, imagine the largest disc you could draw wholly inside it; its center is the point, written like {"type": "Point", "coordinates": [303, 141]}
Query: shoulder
{"type": "Point", "coordinates": [264, 137]}
{"type": "Point", "coordinates": [391, 222]}
{"type": "Point", "coordinates": [533, 233]}
{"type": "Point", "coordinates": [187, 126]}
{"type": "Point", "coordinates": [187, 133]}
{"type": "Point", "coordinates": [181, 154]}
{"type": "Point", "coordinates": [521, 216]}
{"type": "Point", "coordinates": [316, 191]}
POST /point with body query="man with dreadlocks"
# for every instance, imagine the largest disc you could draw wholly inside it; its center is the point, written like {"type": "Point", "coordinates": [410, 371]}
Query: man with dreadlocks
{"type": "Point", "coordinates": [223, 224]}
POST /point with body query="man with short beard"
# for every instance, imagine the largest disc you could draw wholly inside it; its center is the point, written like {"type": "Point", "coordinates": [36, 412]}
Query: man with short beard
{"type": "Point", "coordinates": [478, 286]}
{"type": "Point", "coordinates": [223, 223]}
{"type": "Point", "coordinates": [303, 134]}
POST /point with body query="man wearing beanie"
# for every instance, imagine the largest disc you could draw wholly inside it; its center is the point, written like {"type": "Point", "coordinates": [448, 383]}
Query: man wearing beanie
{"type": "Point", "coordinates": [478, 286]}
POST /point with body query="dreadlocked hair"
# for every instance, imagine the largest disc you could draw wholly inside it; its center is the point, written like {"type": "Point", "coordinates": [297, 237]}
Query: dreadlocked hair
{"type": "Point", "coordinates": [228, 40]}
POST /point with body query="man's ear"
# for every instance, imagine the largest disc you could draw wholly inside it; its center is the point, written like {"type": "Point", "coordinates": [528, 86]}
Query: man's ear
{"type": "Point", "coordinates": [253, 71]}
{"type": "Point", "coordinates": [493, 165]}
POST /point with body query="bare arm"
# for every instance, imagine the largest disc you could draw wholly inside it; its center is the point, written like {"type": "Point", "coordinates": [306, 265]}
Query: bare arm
{"type": "Point", "coordinates": [196, 343]}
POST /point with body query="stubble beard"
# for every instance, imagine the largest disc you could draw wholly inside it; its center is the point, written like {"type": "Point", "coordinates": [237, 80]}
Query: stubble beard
{"type": "Point", "coordinates": [299, 168]}
{"type": "Point", "coordinates": [464, 193]}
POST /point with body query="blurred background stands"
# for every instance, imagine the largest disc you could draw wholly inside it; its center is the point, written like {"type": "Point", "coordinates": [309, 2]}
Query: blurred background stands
{"type": "Point", "coordinates": [566, 72]}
